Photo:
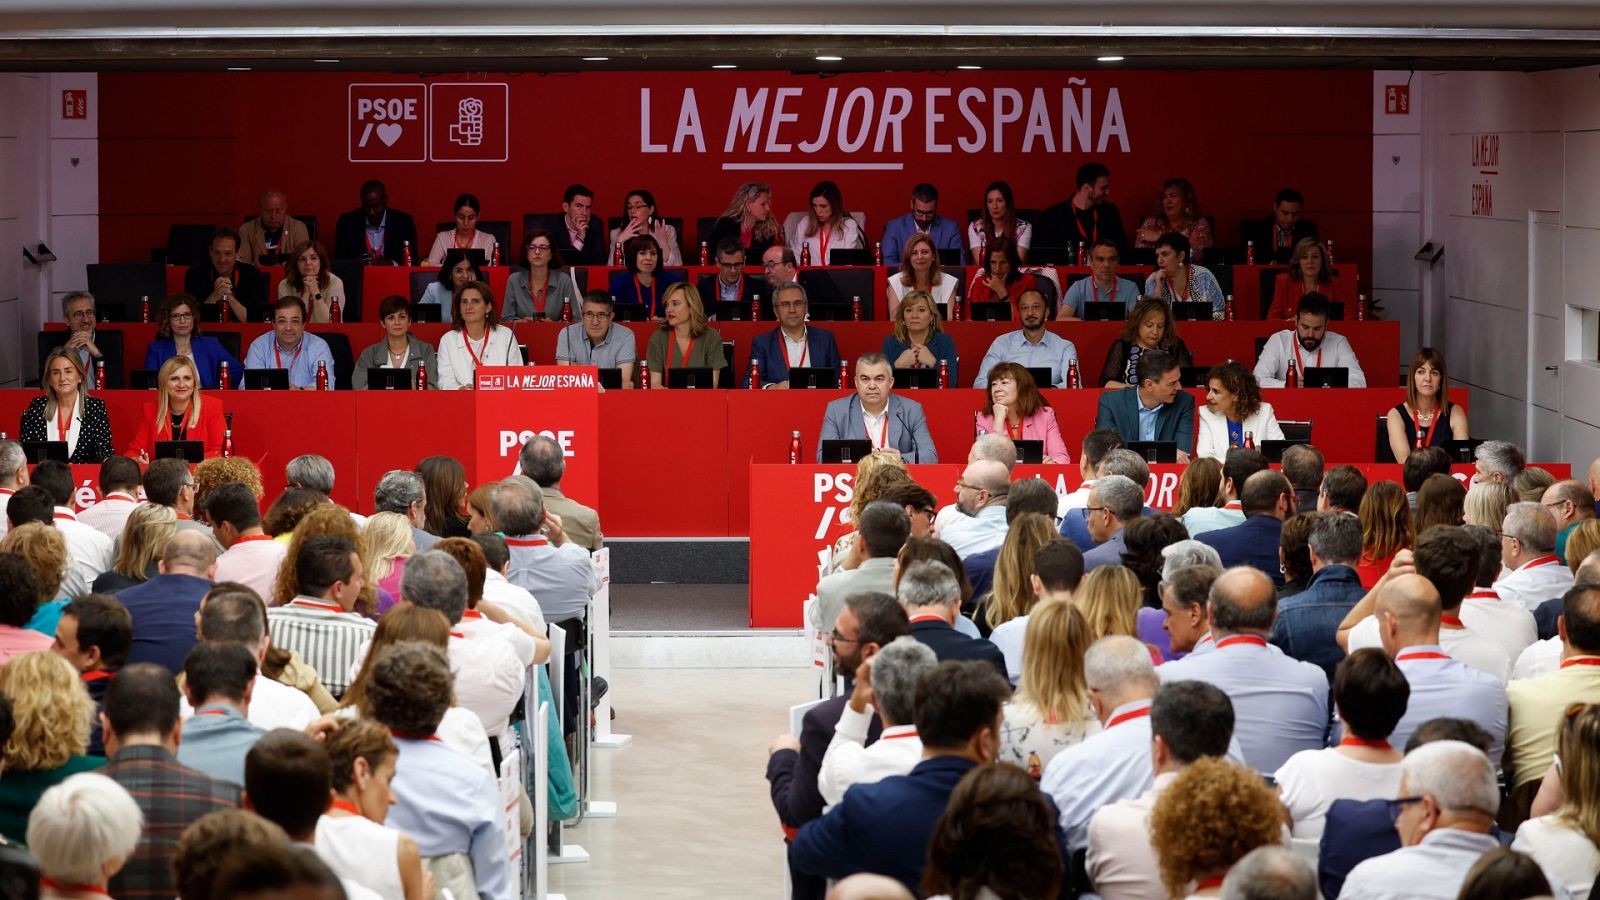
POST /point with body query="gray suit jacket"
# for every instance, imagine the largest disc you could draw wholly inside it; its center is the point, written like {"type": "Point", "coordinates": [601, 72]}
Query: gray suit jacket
{"type": "Point", "coordinates": [1106, 554]}
{"type": "Point", "coordinates": [377, 356]}
{"type": "Point", "coordinates": [908, 428]}
{"type": "Point", "coordinates": [581, 523]}
{"type": "Point", "coordinates": [872, 575]}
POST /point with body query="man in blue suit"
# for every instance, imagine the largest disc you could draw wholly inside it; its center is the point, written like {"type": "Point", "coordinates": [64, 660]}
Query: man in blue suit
{"type": "Point", "coordinates": [1267, 500]}
{"type": "Point", "coordinates": [1159, 409]}
{"type": "Point", "coordinates": [793, 344]}
{"type": "Point", "coordinates": [890, 422]}
{"type": "Point", "coordinates": [163, 608]}
{"type": "Point", "coordinates": [884, 827]}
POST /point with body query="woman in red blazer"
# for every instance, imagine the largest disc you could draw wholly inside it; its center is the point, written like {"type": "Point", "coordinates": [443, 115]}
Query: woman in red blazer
{"type": "Point", "coordinates": [179, 413]}
{"type": "Point", "coordinates": [1308, 271]}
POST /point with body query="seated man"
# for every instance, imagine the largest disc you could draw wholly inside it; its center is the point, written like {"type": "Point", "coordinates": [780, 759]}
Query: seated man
{"type": "Point", "coordinates": [168, 482]}
{"type": "Point", "coordinates": [729, 284]}
{"type": "Point", "coordinates": [932, 598]}
{"type": "Point", "coordinates": [1303, 466]}
{"type": "Point", "coordinates": [885, 827]}
{"type": "Point", "coordinates": [1274, 237]}
{"type": "Point", "coordinates": [1538, 705]}
{"type": "Point", "coordinates": [881, 533]}
{"type": "Point", "coordinates": [290, 347]}
{"type": "Point", "coordinates": [924, 217]}
{"type": "Point", "coordinates": [231, 615]}
{"type": "Point", "coordinates": [1102, 286]}
{"type": "Point", "coordinates": [1308, 620]}
{"type": "Point", "coordinates": [1239, 464]}
{"type": "Point", "coordinates": [1113, 503]}
{"type": "Point", "coordinates": [91, 551]}
{"type": "Point", "coordinates": [981, 499]}
{"type": "Point", "coordinates": [163, 608]}
{"type": "Point", "coordinates": [1310, 344]}
{"type": "Point", "coordinates": [598, 340]}
{"type": "Point", "coordinates": [1057, 572]}
{"type": "Point", "coordinates": [218, 677]}
{"type": "Point", "coordinates": [580, 237]}
{"type": "Point", "coordinates": [119, 494]}
{"type": "Point", "coordinates": [89, 344]}
{"type": "Point", "coordinates": [374, 232]}
{"type": "Point", "coordinates": [250, 556]}
{"type": "Point", "coordinates": [1158, 409]}
{"type": "Point", "coordinates": [779, 266]}
{"type": "Point", "coordinates": [94, 634]}
{"type": "Point", "coordinates": [1266, 502]}
{"type": "Point", "coordinates": [1528, 551]}
{"type": "Point", "coordinates": [793, 344]}
{"type": "Point", "coordinates": [1087, 216]}
{"type": "Point", "coordinates": [1027, 495]}
{"type": "Point", "coordinates": [320, 623]}
{"type": "Point", "coordinates": [1572, 505]}
{"type": "Point", "coordinates": [1342, 488]}
{"type": "Point", "coordinates": [876, 413]}
{"type": "Point", "coordinates": [886, 682]}
{"type": "Point", "coordinates": [274, 234]}
{"type": "Point", "coordinates": [1032, 346]}
{"type": "Point", "coordinates": [558, 572]}
{"type": "Point", "coordinates": [1128, 464]}
{"type": "Point", "coordinates": [225, 279]}
{"type": "Point", "coordinates": [402, 491]}
{"type": "Point", "coordinates": [543, 460]}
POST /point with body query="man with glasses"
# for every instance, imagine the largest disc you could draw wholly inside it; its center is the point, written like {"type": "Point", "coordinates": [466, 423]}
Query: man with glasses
{"type": "Point", "coordinates": [227, 280]}
{"type": "Point", "coordinates": [1571, 504]}
{"type": "Point", "coordinates": [289, 347]}
{"type": "Point", "coordinates": [779, 265]}
{"type": "Point", "coordinates": [598, 340]}
{"type": "Point", "coordinates": [1114, 501]}
{"type": "Point", "coordinates": [1528, 550]}
{"type": "Point", "coordinates": [86, 343]}
{"type": "Point", "coordinates": [793, 344]}
{"type": "Point", "coordinates": [924, 217]}
{"type": "Point", "coordinates": [981, 499]}
{"type": "Point", "coordinates": [729, 284]}
{"type": "Point", "coordinates": [167, 482]}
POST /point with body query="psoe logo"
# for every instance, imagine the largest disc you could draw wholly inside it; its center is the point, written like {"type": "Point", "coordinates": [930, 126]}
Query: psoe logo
{"type": "Point", "coordinates": [386, 123]}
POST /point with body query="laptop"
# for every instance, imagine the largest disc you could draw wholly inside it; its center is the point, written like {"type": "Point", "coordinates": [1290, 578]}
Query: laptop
{"type": "Point", "coordinates": [845, 451]}
{"type": "Point", "coordinates": [989, 312]}
{"type": "Point", "coordinates": [1104, 312]}
{"type": "Point", "coordinates": [814, 377]}
{"type": "Point", "coordinates": [385, 379]}
{"type": "Point", "coordinates": [1030, 452]}
{"type": "Point", "coordinates": [916, 379]}
{"type": "Point", "coordinates": [1155, 451]}
{"type": "Point", "coordinates": [266, 379]}
{"type": "Point", "coordinates": [1462, 451]}
{"type": "Point", "coordinates": [854, 256]}
{"type": "Point", "coordinates": [691, 378]}
{"type": "Point", "coordinates": [1193, 312]}
{"type": "Point", "coordinates": [1326, 377]}
{"type": "Point", "coordinates": [1193, 376]}
{"type": "Point", "coordinates": [39, 451]}
{"type": "Point", "coordinates": [1042, 376]}
{"type": "Point", "coordinates": [189, 451]}
{"type": "Point", "coordinates": [611, 379]}
{"type": "Point", "coordinates": [632, 312]}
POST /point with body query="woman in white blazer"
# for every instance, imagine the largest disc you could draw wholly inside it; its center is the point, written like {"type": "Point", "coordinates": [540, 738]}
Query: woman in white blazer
{"type": "Point", "coordinates": [1234, 414]}
{"type": "Point", "coordinates": [827, 226]}
{"type": "Point", "coordinates": [477, 340]}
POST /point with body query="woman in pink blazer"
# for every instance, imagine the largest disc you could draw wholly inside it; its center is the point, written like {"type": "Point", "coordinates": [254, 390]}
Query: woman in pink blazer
{"type": "Point", "coordinates": [1017, 409]}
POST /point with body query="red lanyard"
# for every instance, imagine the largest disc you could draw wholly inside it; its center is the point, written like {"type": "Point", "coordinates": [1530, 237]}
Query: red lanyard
{"type": "Point", "coordinates": [1129, 715]}
{"type": "Point", "coordinates": [278, 358]}
{"type": "Point", "coordinates": [1242, 639]}
{"type": "Point", "coordinates": [65, 888]}
{"type": "Point", "coordinates": [1188, 289]}
{"type": "Point", "coordinates": [345, 805]}
{"type": "Point", "coordinates": [1581, 661]}
{"type": "Point", "coordinates": [1094, 234]}
{"type": "Point", "coordinates": [1452, 621]}
{"type": "Point", "coordinates": [313, 604]}
{"type": "Point", "coordinates": [1096, 288]}
{"type": "Point", "coordinates": [471, 614]}
{"type": "Point", "coordinates": [1437, 415]}
{"type": "Point", "coordinates": [638, 291]}
{"type": "Point", "coordinates": [1421, 654]}
{"type": "Point", "coordinates": [672, 343]}
{"type": "Point", "coordinates": [476, 359]}
{"type": "Point", "coordinates": [1485, 594]}
{"type": "Point", "coordinates": [65, 517]}
{"type": "Point", "coordinates": [64, 419]}
{"type": "Point", "coordinates": [883, 440]}
{"type": "Point", "coordinates": [928, 617]}
{"type": "Point", "coordinates": [212, 712]}
{"type": "Point", "coordinates": [538, 298]}
{"type": "Point", "coordinates": [1296, 340]}
{"type": "Point", "coordinates": [456, 238]}
{"type": "Point", "coordinates": [97, 675]}
{"type": "Point", "coordinates": [895, 737]}
{"type": "Point", "coordinates": [1353, 741]}
{"type": "Point", "coordinates": [822, 238]}
{"type": "Point", "coordinates": [805, 350]}
{"type": "Point", "coordinates": [253, 537]}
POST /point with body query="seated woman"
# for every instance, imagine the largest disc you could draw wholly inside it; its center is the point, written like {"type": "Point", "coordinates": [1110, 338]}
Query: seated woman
{"type": "Point", "coordinates": [399, 349]}
{"type": "Point", "coordinates": [684, 339]}
{"type": "Point", "coordinates": [51, 709]}
{"type": "Point", "coordinates": [919, 271]}
{"type": "Point", "coordinates": [1149, 327]}
{"type": "Point", "coordinates": [140, 549]}
{"type": "Point", "coordinates": [1177, 210]}
{"type": "Point", "coordinates": [1016, 406]}
{"type": "Point", "coordinates": [1234, 411]}
{"type": "Point", "coordinates": [1002, 281]}
{"type": "Point", "coordinates": [1386, 529]}
{"type": "Point", "coordinates": [1050, 710]}
{"type": "Point", "coordinates": [178, 334]}
{"type": "Point", "coordinates": [1309, 273]}
{"type": "Point", "coordinates": [309, 278]}
{"type": "Point", "coordinates": [1563, 841]}
{"type": "Point", "coordinates": [458, 270]}
{"type": "Point", "coordinates": [43, 548]}
{"type": "Point", "coordinates": [66, 412]}
{"type": "Point", "coordinates": [826, 226]}
{"type": "Point", "coordinates": [639, 213]}
{"type": "Point", "coordinates": [1415, 423]}
{"type": "Point", "coordinates": [542, 290]}
{"type": "Point", "coordinates": [918, 342]}
{"type": "Point", "coordinates": [643, 282]}
{"type": "Point", "coordinates": [465, 236]}
{"type": "Point", "coordinates": [1369, 696]}
{"type": "Point", "coordinates": [351, 836]}
{"type": "Point", "coordinates": [478, 339]}
{"type": "Point", "coordinates": [998, 220]}
{"type": "Point", "coordinates": [749, 220]}
{"type": "Point", "coordinates": [1176, 280]}
{"type": "Point", "coordinates": [178, 413]}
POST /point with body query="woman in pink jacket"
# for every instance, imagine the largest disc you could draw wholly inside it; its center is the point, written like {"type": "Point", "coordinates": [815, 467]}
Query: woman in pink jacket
{"type": "Point", "coordinates": [1017, 409]}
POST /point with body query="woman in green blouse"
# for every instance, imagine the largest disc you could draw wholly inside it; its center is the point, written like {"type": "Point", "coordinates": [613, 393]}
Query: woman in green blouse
{"type": "Point", "coordinates": [684, 340]}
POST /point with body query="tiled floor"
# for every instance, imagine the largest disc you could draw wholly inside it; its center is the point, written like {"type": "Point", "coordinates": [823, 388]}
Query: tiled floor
{"type": "Point", "coordinates": [694, 819]}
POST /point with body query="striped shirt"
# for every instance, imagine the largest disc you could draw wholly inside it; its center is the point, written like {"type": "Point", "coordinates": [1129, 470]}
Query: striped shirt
{"type": "Point", "coordinates": [326, 637]}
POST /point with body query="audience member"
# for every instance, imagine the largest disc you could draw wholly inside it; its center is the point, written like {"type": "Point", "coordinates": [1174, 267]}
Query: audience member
{"type": "Point", "coordinates": [497, 589]}
{"type": "Point", "coordinates": [351, 836]}
{"type": "Point", "coordinates": [250, 556]}
{"type": "Point", "coordinates": [1303, 466]}
{"type": "Point", "coordinates": [1504, 874]}
{"type": "Point", "coordinates": [1185, 593]}
{"type": "Point", "coordinates": [140, 546]}
{"type": "Point", "coordinates": [13, 478]}
{"type": "Point", "coordinates": [45, 551]}
{"type": "Point", "coordinates": [1145, 540]}
{"type": "Point", "coordinates": [1087, 215]}
{"type": "Point", "coordinates": [981, 495]}
{"type": "Point", "coordinates": [1057, 572]}
{"type": "Point", "coordinates": [1386, 529]}
{"type": "Point", "coordinates": [1508, 625]}
{"type": "Point", "coordinates": [1109, 601]}
{"type": "Point", "coordinates": [1237, 467]}
{"type": "Point", "coordinates": [1537, 705]}
{"type": "Point", "coordinates": [1343, 486]}
{"type": "Point", "coordinates": [48, 744]}
{"type": "Point", "coordinates": [886, 684]}
{"type": "Point", "coordinates": [167, 482]}
{"type": "Point", "coordinates": [1211, 815]}
{"type": "Point", "coordinates": [19, 599]}
{"type": "Point", "coordinates": [543, 460]}
{"type": "Point", "coordinates": [997, 837]}
{"type": "Point", "coordinates": [119, 495]}
{"type": "Point", "coordinates": [164, 607]}
{"type": "Point", "coordinates": [1271, 872]}
{"type": "Point", "coordinates": [1199, 487]}
{"type": "Point", "coordinates": [1309, 336]}
{"type": "Point", "coordinates": [216, 839]}
{"type": "Point", "coordinates": [1565, 841]}
{"type": "Point", "coordinates": [932, 599]}
{"type": "Point", "coordinates": [482, 617]}
{"type": "Point", "coordinates": [882, 530]}
{"type": "Point", "coordinates": [1497, 461]}
{"type": "Point", "coordinates": [81, 832]}
{"type": "Point", "coordinates": [1531, 483]}
{"type": "Point", "coordinates": [92, 552]}
{"type": "Point", "coordinates": [320, 623]}
{"type": "Point", "coordinates": [94, 635]}
{"type": "Point", "coordinates": [1128, 464]}
{"type": "Point", "coordinates": [1096, 445]}
{"type": "Point", "coordinates": [1267, 499]}
{"type": "Point", "coordinates": [1113, 502]}
{"type": "Point", "coordinates": [1487, 503]}
{"type": "Point", "coordinates": [1050, 710]}
{"type": "Point", "coordinates": [1439, 501]}
{"type": "Point", "coordinates": [1308, 621]}
{"type": "Point", "coordinates": [219, 679]}
{"type": "Point", "coordinates": [232, 613]}
{"type": "Point", "coordinates": [374, 232]}
{"type": "Point", "coordinates": [1028, 495]}
{"type": "Point", "coordinates": [262, 872]}
{"type": "Point", "coordinates": [89, 345]}
{"type": "Point", "coordinates": [400, 491]}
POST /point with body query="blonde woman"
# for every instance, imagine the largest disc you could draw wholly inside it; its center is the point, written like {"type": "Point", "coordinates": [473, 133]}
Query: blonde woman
{"type": "Point", "coordinates": [139, 550]}
{"type": "Point", "coordinates": [1050, 711]}
{"type": "Point", "coordinates": [178, 413]}
{"type": "Point", "coordinates": [1109, 601]}
{"type": "Point", "coordinates": [65, 411]}
{"type": "Point", "coordinates": [1486, 504]}
{"type": "Point", "coordinates": [684, 339]}
{"type": "Point", "coordinates": [45, 551]}
{"type": "Point", "coordinates": [389, 545]}
{"type": "Point", "coordinates": [875, 473]}
{"type": "Point", "coordinates": [52, 710]}
{"type": "Point", "coordinates": [1013, 594]}
{"type": "Point", "coordinates": [749, 220]}
{"type": "Point", "coordinates": [1565, 842]}
{"type": "Point", "coordinates": [918, 341]}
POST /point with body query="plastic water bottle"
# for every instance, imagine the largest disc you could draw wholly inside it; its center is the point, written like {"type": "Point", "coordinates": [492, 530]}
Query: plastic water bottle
{"type": "Point", "coordinates": [794, 448]}
{"type": "Point", "coordinates": [322, 376]}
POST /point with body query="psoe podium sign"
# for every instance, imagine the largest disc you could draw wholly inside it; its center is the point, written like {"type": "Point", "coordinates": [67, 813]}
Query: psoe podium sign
{"type": "Point", "coordinates": [514, 403]}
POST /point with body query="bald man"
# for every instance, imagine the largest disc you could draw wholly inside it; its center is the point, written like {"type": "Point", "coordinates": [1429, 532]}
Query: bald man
{"type": "Point", "coordinates": [1408, 626]}
{"type": "Point", "coordinates": [1281, 703]}
{"type": "Point", "coordinates": [1572, 503]}
{"type": "Point", "coordinates": [164, 607]}
{"type": "Point", "coordinates": [1266, 500]}
{"type": "Point", "coordinates": [981, 499]}
{"type": "Point", "coordinates": [997, 447]}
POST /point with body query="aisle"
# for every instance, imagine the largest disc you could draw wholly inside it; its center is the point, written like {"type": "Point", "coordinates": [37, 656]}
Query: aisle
{"type": "Point", "coordinates": [695, 819]}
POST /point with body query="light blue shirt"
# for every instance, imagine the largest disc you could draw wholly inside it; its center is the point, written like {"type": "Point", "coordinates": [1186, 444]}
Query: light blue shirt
{"type": "Point", "coordinates": [448, 804]}
{"type": "Point", "coordinates": [1202, 519]}
{"type": "Point", "coordinates": [375, 232]}
{"type": "Point", "coordinates": [1053, 352]}
{"type": "Point", "coordinates": [1435, 867]}
{"type": "Point", "coordinates": [1448, 687]}
{"type": "Point", "coordinates": [1083, 291]}
{"type": "Point", "coordinates": [302, 366]}
{"type": "Point", "coordinates": [215, 741]}
{"type": "Point", "coordinates": [443, 297]}
{"type": "Point", "coordinates": [1147, 421]}
{"type": "Point", "coordinates": [973, 534]}
{"type": "Point", "coordinates": [615, 350]}
{"type": "Point", "coordinates": [1280, 705]}
{"type": "Point", "coordinates": [561, 578]}
{"type": "Point", "coordinates": [1102, 768]}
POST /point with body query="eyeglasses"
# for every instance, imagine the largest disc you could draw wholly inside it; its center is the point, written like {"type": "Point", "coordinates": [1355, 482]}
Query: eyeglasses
{"type": "Point", "coordinates": [837, 638]}
{"type": "Point", "coordinates": [593, 316]}
{"type": "Point", "coordinates": [963, 486]}
{"type": "Point", "coordinates": [635, 207]}
{"type": "Point", "coordinates": [1094, 509]}
{"type": "Point", "coordinates": [1557, 505]}
{"type": "Point", "coordinates": [82, 315]}
{"type": "Point", "coordinates": [538, 248]}
{"type": "Point", "coordinates": [769, 265]}
{"type": "Point", "coordinates": [1398, 805]}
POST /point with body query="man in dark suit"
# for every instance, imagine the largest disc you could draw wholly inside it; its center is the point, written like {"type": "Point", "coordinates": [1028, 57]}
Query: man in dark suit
{"type": "Point", "coordinates": [580, 237]}
{"type": "Point", "coordinates": [729, 284]}
{"type": "Point", "coordinates": [1086, 216]}
{"type": "Point", "coordinates": [885, 827]}
{"type": "Point", "coordinates": [793, 342]}
{"type": "Point", "coordinates": [163, 608]}
{"type": "Point", "coordinates": [87, 343]}
{"type": "Point", "coordinates": [225, 279]}
{"type": "Point", "coordinates": [932, 598]}
{"type": "Point", "coordinates": [1267, 500]}
{"type": "Point", "coordinates": [779, 265]}
{"type": "Point", "coordinates": [374, 231]}
{"type": "Point", "coordinates": [1276, 235]}
{"type": "Point", "coordinates": [868, 622]}
{"type": "Point", "coordinates": [1158, 409]}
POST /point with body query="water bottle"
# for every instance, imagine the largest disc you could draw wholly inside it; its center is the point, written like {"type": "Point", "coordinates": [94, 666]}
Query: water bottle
{"type": "Point", "coordinates": [227, 443]}
{"type": "Point", "coordinates": [794, 448]}
{"type": "Point", "coordinates": [566, 313]}
{"type": "Point", "coordinates": [1228, 309]}
{"type": "Point", "coordinates": [494, 260]}
{"type": "Point", "coordinates": [422, 375]}
{"type": "Point", "coordinates": [224, 377]}
{"type": "Point", "coordinates": [705, 254]}
{"type": "Point", "coordinates": [755, 308]}
{"type": "Point", "coordinates": [1330, 254]}
{"type": "Point", "coordinates": [616, 255]}
{"type": "Point", "coordinates": [144, 309]}
{"type": "Point", "coordinates": [1361, 308]}
{"type": "Point", "coordinates": [1083, 251]}
{"type": "Point", "coordinates": [99, 374]}
{"type": "Point", "coordinates": [855, 309]}
{"type": "Point", "coordinates": [1074, 377]}
{"type": "Point", "coordinates": [644, 376]}
{"type": "Point", "coordinates": [1292, 379]}
{"type": "Point", "coordinates": [223, 309]}
{"type": "Point", "coordinates": [1249, 253]}
{"type": "Point", "coordinates": [955, 308]}
{"type": "Point", "coordinates": [805, 254]}
{"type": "Point", "coordinates": [844, 374]}
{"type": "Point", "coordinates": [322, 375]}
{"type": "Point", "coordinates": [755, 374]}
{"type": "Point", "coordinates": [1249, 440]}
{"type": "Point", "coordinates": [877, 253]}
{"type": "Point", "coordinates": [334, 315]}
{"type": "Point", "coordinates": [405, 254]}
{"type": "Point", "coordinates": [944, 374]}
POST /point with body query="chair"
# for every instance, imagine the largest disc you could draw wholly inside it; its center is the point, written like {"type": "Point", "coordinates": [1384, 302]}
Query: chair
{"type": "Point", "coordinates": [189, 244]}
{"type": "Point", "coordinates": [730, 375]}
{"type": "Point", "coordinates": [1296, 429]}
{"type": "Point", "coordinates": [1381, 451]}
{"type": "Point", "coordinates": [533, 220]}
{"type": "Point", "coordinates": [500, 228]}
{"type": "Point", "coordinates": [420, 281]}
{"type": "Point", "coordinates": [353, 274]}
{"type": "Point", "coordinates": [850, 283]}
{"type": "Point", "coordinates": [1261, 344]}
{"type": "Point", "coordinates": [344, 361]}
{"type": "Point", "coordinates": [230, 341]}
{"type": "Point", "coordinates": [1268, 279]}
{"type": "Point", "coordinates": [580, 277]}
{"type": "Point", "coordinates": [1048, 289]}
{"type": "Point", "coordinates": [961, 273]}
{"type": "Point", "coordinates": [1221, 271]}
{"type": "Point", "coordinates": [117, 288]}
{"type": "Point", "coordinates": [703, 226]}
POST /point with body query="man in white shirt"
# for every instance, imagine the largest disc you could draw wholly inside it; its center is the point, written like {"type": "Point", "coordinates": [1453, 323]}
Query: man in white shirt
{"type": "Point", "coordinates": [1188, 720]}
{"type": "Point", "coordinates": [499, 590]}
{"type": "Point", "coordinates": [1485, 613]}
{"type": "Point", "coordinates": [981, 498]}
{"type": "Point", "coordinates": [250, 556]}
{"type": "Point", "coordinates": [1497, 461]}
{"type": "Point", "coordinates": [238, 617]}
{"type": "Point", "coordinates": [886, 683]}
{"type": "Point", "coordinates": [880, 534]}
{"type": "Point", "coordinates": [996, 447]}
{"type": "Point", "coordinates": [543, 562]}
{"type": "Point", "coordinates": [1528, 551]}
{"type": "Point", "coordinates": [1096, 444]}
{"type": "Point", "coordinates": [1057, 572]}
{"type": "Point", "coordinates": [119, 495]}
{"type": "Point", "coordinates": [92, 552]}
{"type": "Point", "coordinates": [14, 477]}
{"type": "Point", "coordinates": [1448, 802]}
{"type": "Point", "coordinates": [1240, 463]}
{"type": "Point", "coordinates": [1031, 347]}
{"type": "Point", "coordinates": [1310, 344]}
{"type": "Point", "coordinates": [482, 618]}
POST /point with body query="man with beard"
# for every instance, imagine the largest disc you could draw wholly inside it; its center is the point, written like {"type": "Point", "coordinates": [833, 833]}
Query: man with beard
{"type": "Point", "coordinates": [1033, 347]}
{"type": "Point", "coordinates": [1309, 345]}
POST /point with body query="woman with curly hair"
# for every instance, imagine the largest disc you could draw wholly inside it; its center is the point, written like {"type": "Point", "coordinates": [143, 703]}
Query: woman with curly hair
{"type": "Point", "coordinates": [1234, 414]}
{"type": "Point", "coordinates": [328, 518]}
{"type": "Point", "coordinates": [51, 710]}
{"type": "Point", "coordinates": [211, 473]}
{"type": "Point", "coordinates": [1013, 594]}
{"type": "Point", "coordinates": [995, 839]}
{"type": "Point", "coordinates": [1206, 820]}
{"type": "Point", "coordinates": [1050, 710]}
{"type": "Point", "coordinates": [1386, 529]}
{"type": "Point", "coordinates": [287, 511]}
{"type": "Point", "coordinates": [45, 551]}
{"type": "Point", "coordinates": [144, 542]}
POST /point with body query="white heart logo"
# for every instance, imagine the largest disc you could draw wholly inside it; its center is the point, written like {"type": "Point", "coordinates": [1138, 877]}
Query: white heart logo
{"type": "Point", "coordinates": [389, 133]}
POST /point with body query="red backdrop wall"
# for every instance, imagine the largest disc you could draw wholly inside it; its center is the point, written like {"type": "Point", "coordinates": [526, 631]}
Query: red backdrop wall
{"type": "Point", "coordinates": [199, 147]}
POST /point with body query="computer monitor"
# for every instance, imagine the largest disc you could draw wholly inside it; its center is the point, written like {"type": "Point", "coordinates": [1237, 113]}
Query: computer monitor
{"type": "Point", "coordinates": [380, 378]}
{"type": "Point", "coordinates": [1030, 452]}
{"type": "Point", "coordinates": [691, 378]}
{"type": "Point", "coordinates": [189, 451]}
{"type": "Point", "coordinates": [1462, 451]}
{"type": "Point", "coordinates": [853, 256]}
{"type": "Point", "coordinates": [814, 377]}
{"type": "Point", "coordinates": [1155, 451]}
{"type": "Point", "coordinates": [266, 379]}
{"type": "Point", "coordinates": [1104, 312]}
{"type": "Point", "coordinates": [611, 379]}
{"type": "Point", "coordinates": [427, 312]}
{"type": "Point", "coordinates": [39, 451]}
{"type": "Point", "coordinates": [1193, 376]}
{"type": "Point", "coordinates": [1326, 377]}
{"type": "Point", "coordinates": [1193, 311]}
{"type": "Point", "coordinates": [846, 451]}
{"type": "Point", "coordinates": [1042, 376]}
{"type": "Point", "coordinates": [143, 379]}
{"type": "Point", "coordinates": [916, 379]}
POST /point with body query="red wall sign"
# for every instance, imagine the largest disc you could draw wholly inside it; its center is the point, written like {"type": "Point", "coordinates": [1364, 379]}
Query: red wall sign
{"type": "Point", "coordinates": [1397, 100]}
{"type": "Point", "coordinates": [386, 123]}
{"type": "Point", "coordinates": [75, 104]}
{"type": "Point", "coordinates": [560, 402]}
